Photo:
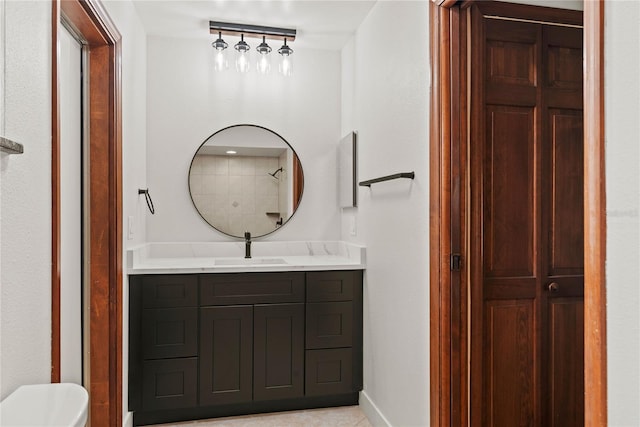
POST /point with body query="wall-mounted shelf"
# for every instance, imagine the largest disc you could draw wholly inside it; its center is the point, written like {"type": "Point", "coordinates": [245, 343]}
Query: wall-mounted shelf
{"type": "Point", "coordinates": [409, 175]}
{"type": "Point", "coordinates": [10, 147]}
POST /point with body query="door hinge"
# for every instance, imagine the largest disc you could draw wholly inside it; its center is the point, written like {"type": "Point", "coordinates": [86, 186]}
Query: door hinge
{"type": "Point", "coordinates": [455, 262]}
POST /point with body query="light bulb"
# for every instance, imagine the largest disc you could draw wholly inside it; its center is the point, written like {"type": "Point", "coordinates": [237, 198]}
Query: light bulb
{"type": "Point", "coordinates": [286, 66]}
{"type": "Point", "coordinates": [264, 65]}
{"type": "Point", "coordinates": [220, 61]}
{"type": "Point", "coordinates": [242, 60]}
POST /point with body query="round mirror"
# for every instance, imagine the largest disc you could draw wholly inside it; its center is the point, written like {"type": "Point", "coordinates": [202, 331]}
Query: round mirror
{"type": "Point", "coordinates": [246, 178]}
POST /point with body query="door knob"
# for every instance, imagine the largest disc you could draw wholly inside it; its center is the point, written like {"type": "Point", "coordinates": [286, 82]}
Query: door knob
{"type": "Point", "coordinates": [553, 287]}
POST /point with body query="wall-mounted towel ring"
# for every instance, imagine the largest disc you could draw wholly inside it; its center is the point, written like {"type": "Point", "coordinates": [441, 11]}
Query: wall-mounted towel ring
{"type": "Point", "coordinates": [147, 196]}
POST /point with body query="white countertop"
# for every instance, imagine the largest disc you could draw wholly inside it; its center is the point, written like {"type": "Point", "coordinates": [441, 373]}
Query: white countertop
{"type": "Point", "coordinates": [228, 257]}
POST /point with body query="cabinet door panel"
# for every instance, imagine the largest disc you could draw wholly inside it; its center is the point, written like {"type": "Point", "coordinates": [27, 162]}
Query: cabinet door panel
{"type": "Point", "coordinates": [328, 371]}
{"type": "Point", "coordinates": [278, 351]}
{"type": "Point", "coordinates": [169, 384]}
{"type": "Point", "coordinates": [226, 360]}
{"type": "Point", "coordinates": [169, 332]}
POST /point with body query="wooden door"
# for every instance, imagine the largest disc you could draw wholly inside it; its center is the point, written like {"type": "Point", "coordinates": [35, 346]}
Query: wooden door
{"type": "Point", "coordinates": [526, 223]}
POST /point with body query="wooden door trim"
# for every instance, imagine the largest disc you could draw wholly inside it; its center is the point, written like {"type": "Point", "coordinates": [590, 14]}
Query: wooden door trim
{"type": "Point", "coordinates": [448, 407]}
{"type": "Point", "coordinates": [595, 331]}
{"type": "Point", "coordinates": [90, 20]}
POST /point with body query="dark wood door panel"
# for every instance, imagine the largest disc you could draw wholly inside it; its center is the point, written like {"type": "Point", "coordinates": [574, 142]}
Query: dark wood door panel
{"type": "Point", "coordinates": [509, 357]}
{"type": "Point", "coordinates": [511, 53]}
{"type": "Point", "coordinates": [170, 332]}
{"type": "Point", "coordinates": [278, 351]}
{"type": "Point", "coordinates": [566, 363]}
{"type": "Point", "coordinates": [509, 217]}
{"type": "Point", "coordinates": [567, 195]}
{"type": "Point", "coordinates": [328, 371]}
{"type": "Point", "coordinates": [169, 384]}
{"type": "Point", "coordinates": [226, 355]}
{"type": "Point", "coordinates": [510, 288]}
{"type": "Point", "coordinates": [562, 56]}
{"type": "Point", "coordinates": [513, 95]}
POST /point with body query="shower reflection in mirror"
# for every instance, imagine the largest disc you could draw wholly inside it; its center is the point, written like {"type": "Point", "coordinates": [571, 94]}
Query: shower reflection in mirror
{"type": "Point", "coordinates": [245, 178]}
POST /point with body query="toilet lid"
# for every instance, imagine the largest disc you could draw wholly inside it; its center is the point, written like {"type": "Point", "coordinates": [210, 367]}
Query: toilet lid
{"type": "Point", "coordinates": [45, 405]}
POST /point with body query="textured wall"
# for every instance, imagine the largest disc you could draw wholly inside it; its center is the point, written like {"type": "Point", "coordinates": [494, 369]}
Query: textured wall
{"type": "Point", "coordinates": [385, 92]}
{"type": "Point", "coordinates": [25, 199]}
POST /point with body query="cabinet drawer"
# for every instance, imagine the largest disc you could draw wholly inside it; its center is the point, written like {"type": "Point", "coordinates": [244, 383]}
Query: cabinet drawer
{"type": "Point", "coordinates": [170, 291]}
{"type": "Point", "coordinates": [169, 384]}
{"type": "Point", "coordinates": [251, 288]}
{"type": "Point", "coordinates": [328, 372]}
{"type": "Point", "coordinates": [329, 325]}
{"type": "Point", "coordinates": [330, 286]}
{"type": "Point", "coordinates": [169, 332]}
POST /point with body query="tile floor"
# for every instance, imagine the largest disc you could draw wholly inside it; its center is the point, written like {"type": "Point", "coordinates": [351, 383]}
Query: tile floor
{"type": "Point", "coordinates": [346, 416]}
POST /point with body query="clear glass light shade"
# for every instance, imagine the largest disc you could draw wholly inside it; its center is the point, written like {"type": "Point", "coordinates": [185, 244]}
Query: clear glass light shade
{"type": "Point", "coordinates": [264, 63]}
{"type": "Point", "coordinates": [286, 65]}
{"type": "Point", "coordinates": [220, 62]}
{"type": "Point", "coordinates": [242, 62]}
{"type": "Point", "coordinates": [242, 56]}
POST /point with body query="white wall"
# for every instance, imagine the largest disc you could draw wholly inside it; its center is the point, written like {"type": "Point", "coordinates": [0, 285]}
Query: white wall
{"type": "Point", "coordinates": [187, 102]}
{"type": "Point", "coordinates": [25, 199]}
{"type": "Point", "coordinates": [385, 93]}
{"type": "Point", "coordinates": [622, 152]}
{"type": "Point", "coordinates": [134, 117]}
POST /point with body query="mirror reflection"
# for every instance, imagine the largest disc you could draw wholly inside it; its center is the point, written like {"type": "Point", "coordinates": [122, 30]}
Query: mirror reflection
{"type": "Point", "coordinates": [246, 178]}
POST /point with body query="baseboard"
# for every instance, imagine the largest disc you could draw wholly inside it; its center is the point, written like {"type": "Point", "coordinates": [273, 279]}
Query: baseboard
{"type": "Point", "coordinates": [372, 411]}
{"type": "Point", "coordinates": [128, 420]}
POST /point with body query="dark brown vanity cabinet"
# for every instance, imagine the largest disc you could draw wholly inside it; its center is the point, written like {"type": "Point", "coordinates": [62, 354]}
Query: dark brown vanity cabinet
{"type": "Point", "coordinates": [207, 345]}
{"type": "Point", "coordinates": [333, 332]}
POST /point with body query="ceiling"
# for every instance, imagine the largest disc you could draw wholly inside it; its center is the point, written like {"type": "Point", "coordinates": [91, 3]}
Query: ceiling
{"type": "Point", "coordinates": [321, 24]}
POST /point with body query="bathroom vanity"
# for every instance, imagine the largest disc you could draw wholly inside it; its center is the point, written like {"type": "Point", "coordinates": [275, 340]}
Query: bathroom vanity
{"type": "Point", "coordinates": [268, 334]}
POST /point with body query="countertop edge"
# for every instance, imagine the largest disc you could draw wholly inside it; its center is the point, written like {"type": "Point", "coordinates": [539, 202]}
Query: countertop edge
{"type": "Point", "coordinates": [243, 269]}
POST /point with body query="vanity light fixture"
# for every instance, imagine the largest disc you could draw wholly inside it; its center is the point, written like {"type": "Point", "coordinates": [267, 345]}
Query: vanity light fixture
{"type": "Point", "coordinates": [243, 48]}
{"type": "Point", "coordinates": [231, 152]}
{"type": "Point", "coordinates": [220, 62]}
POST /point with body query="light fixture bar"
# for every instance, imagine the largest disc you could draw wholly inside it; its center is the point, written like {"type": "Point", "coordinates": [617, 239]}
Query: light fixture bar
{"type": "Point", "coordinates": [258, 31]}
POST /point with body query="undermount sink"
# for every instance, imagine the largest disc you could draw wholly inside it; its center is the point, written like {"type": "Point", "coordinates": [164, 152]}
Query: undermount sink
{"type": "Point", "coordinates": [250, 261]}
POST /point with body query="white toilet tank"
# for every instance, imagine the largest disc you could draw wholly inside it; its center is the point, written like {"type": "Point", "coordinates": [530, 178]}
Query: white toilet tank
{"type": "Point", "coordinates": [45, 405]}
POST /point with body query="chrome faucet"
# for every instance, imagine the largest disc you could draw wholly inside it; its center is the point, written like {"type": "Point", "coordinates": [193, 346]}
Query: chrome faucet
{"type": "Point", "coordinates": [247, 244]}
